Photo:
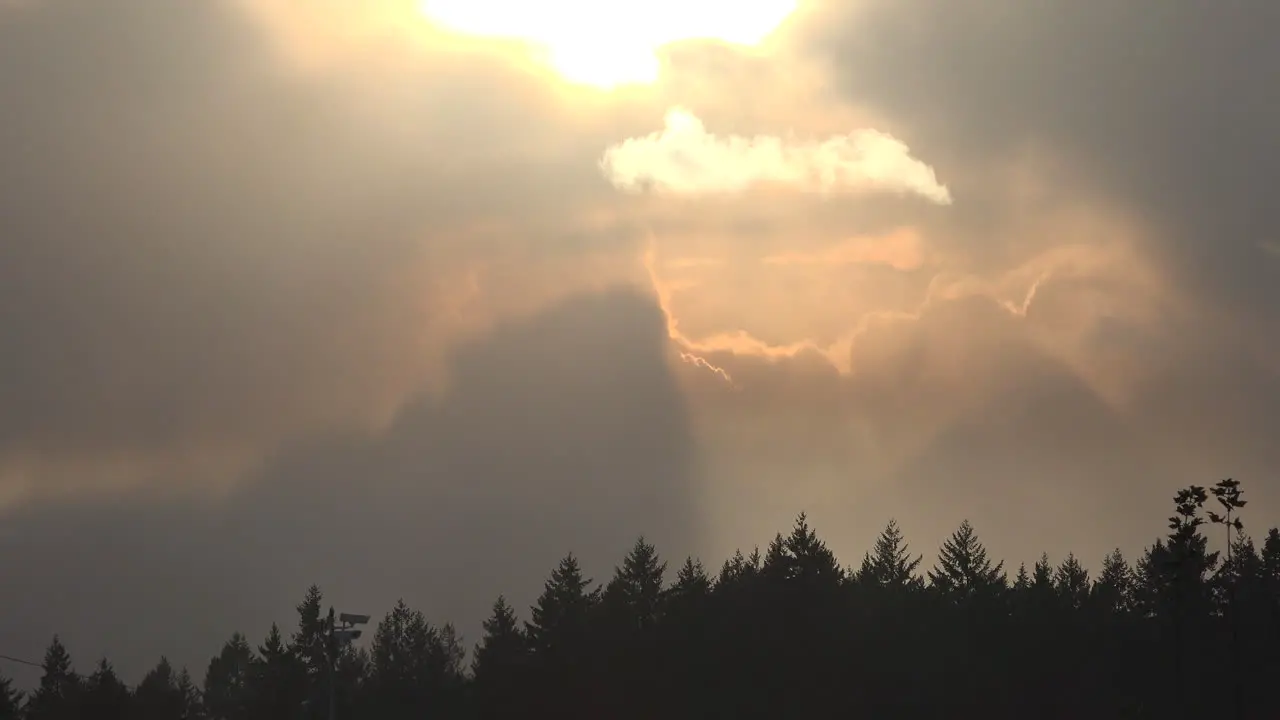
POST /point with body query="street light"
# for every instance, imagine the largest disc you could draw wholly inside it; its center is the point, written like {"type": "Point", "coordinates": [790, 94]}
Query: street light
{"type": "Point", "coordinates": [342, 632]}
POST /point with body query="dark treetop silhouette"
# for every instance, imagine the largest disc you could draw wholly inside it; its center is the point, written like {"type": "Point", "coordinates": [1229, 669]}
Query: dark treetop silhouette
{"type": "Point", "coordinates": [1184, 632]}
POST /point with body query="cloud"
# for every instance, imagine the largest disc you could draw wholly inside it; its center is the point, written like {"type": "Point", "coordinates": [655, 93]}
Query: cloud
{"type": "Point", "coordinates": [684, 158]}
{"type": "Point", "coordinates": [1132, 104]}
{"type": "Point", "coordinates": [563, 431]}
{"type": "Point", "coordinates": [901, 250]}
{"type": "Point", "coordinates": [210, 250]}
{"type": "Point", "coordinates": [268, 270]}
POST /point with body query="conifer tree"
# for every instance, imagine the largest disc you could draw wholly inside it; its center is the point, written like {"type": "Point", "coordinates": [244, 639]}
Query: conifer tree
{"type": "Point", "coordinates": [158, 696]}
{"type": "Point", "coordinates": [559, 618]}
{"type": "Point", "coordinates": [691, 587]}
{"type": "Point", "coordinates": [228, 679]}
{"type": "Point", "coordinates": [889, 564]}
{"type": "Point", "coordinates": [1042, 575]}
{"type": "Point", "coordinates": [1113, 591]}
{"type": "Point", "coordinates": [503, 650]}
{"type": "Point", "coordinates": [1022, 581]}
{"type": "Point", "coordinates": [308, 644]}
{"type": "Point", "coordinates": [10, 700]}
{"type": "Point", "coordinates": [963, 570]}
{"type": "Point", "coordinates": [635, 592]}
{"type": "Point", "coordinates": [500, 664]}
{"type": "Point", "coordinates": [414, 666]}
{"type": "Point", "coordinates": [1071, 582]}
{"type": "Point", "coordinates": [278, 687]}
{"type": "Point", "coordinates": [192, 701]}
{"type": "Point", "coordinates": [803, 559]}
{"type": "Point", "coordinates": [560, 639]}
{"type": "Point", "coordinates": [57, 696]}
{"type": "Point", "coordinates": [738, 571]}
{"type": "Point", "coordinates": [105, 697]}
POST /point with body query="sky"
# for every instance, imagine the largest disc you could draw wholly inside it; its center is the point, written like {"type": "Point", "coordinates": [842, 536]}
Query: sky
{"type": "Point", "coordinates": [409, 299]}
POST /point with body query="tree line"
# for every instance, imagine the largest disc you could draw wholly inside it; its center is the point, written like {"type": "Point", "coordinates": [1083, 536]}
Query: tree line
{"type": "Point", "coordinates": [1184, 631]}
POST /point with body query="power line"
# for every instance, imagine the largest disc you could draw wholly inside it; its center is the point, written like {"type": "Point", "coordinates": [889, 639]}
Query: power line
{"type": "Point", "coordinates": [75, 677]}
{"type": "Point", "coordinates": [20, 661]}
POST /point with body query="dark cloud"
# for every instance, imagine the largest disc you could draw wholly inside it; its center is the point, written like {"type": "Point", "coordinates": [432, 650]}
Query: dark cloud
{"type": "Point", "coordinates": [962, 413]}
{"type": "Point", "coordinates": [1169, 106]}
{"type": "Point", "coordinates": [205, 250]}
{"type": "Point", "coordinates": [565, 432]}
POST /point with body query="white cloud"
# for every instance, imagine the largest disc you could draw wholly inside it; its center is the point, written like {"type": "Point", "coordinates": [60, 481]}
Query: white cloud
{"type": "Point", "coordinates": [686, 159]}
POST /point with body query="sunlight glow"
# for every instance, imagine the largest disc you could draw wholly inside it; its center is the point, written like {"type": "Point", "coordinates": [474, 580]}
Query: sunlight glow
{"type": "Point", "coordinates": [608, 43]}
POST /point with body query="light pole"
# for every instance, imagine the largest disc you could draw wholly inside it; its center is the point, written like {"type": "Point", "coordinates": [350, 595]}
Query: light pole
{"type": "Point", "coordinates": [342, 632]}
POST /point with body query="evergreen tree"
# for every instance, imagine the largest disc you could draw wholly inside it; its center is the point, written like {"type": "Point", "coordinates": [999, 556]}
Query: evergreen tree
{"type": "Point", "coordinates": [1178, 635]}
{"type": "Point", "coordinates": [559, 618]}
{"type": "Point", "coordinates": [1042, 576]}
{"type": "Point", "coordinates": [227, 682]}
{"type": "Point", "coordinates": [1022, 581]}
{"type": "Point", "coordinates": [353, 691]}
{"type": "Point", "coordinates": [691, 588]}
{"type": "Point", "coordinates": [309, 645]}
{"type": "Point", "coordinates": [1228, 494]}
{"type": "Point", "coordinates": [1175, 576]}
{"type": "Point", "coordinates": [635, 592]}
{"type": "Point", "coordinates": [10, 700]}
{"type": "Point", "coordinates": [57, 696]}
{"type": "Point", "coordinates": [889, 564]}
{"type": "Point", "coordinates": [415, 668]}
{"type": "Point", "coordinates": [738, 571]}
{"type": "Point", "coordinates": [278, 681]}
{"type": "Point", "coordinates": [500, 663]}
{"type": "Point", "coordinates": [105, 697]}
{"type": "Point", "coordinates": [1071, 583]}
{"type": "Point", "coordinates": [1113, 591]}
{"type": "Point", "coordinates": [631, 608]}
{"type": "Point", "coordinates": [560, 638]}
{"type": "Point", "coordinates": [192, 701]}
{"type": "Point", "coordinates": [1187, 562]}
{"type": "Point", "coordinates": [964, 571]}
{"type": "Point", "coordinates": [1271, 560]}
{"type": "Point", "coordinates": [803, 559]}
{"type": "Point", "coordinates": [503, 650]}
{"type": "Point", "coordinates": [158, 696]}
{"type": "Point", "coordinates": [1040, 598]}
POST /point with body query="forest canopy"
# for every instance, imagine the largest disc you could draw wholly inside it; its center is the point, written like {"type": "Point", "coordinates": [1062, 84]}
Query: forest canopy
{"type": "Point", "coordinates": [787, 631]}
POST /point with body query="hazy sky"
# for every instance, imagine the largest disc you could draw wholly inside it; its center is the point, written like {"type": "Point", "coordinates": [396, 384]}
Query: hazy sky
{"type": "Point", "coordinates": [409, 300]}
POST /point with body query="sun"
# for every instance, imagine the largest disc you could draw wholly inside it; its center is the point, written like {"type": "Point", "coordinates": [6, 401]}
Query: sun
{"type": "Point", "coordinates": [609, 43]}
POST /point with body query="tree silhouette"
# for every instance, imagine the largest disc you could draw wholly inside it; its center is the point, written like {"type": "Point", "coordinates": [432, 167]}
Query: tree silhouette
{"type": "Point", "coordinates": [105, 696]}
{"type": "Point", "coordinates": [500, 664]}
{"type": "Point", "coordinates": [10, 700]}
{"type": "Point", "coordinates": [278, 681]}
{"type": "Point", "coordinates": [559, 636]}
{"type": "Point", "coordinates": [889, 564]}
{"type": "Point", "coordinates": [413, 665]}
{"type": "Point", "coordinates": [630, 608]}
{"type": "Point", "coordinates": [783, 633]}
{"type": "Point", "coordinates": [228, 681]}
{"type": "Point", "coordinates": [1228, 494]}
{"type": "Point", "coordinates": [1113, 591]}
{"type": "Point", "coordinates": [308, 646]}
{"type": "Point", "coordinates": [159, 696]}
{"type": "Point", "coordinates": [57, 696]}
{"type": "Point", "coordinates": [1176, 574]}
{"type": "Point", "coordinates": [963, 571]}
{"type": "Point", "coordinates": [1071, 582]}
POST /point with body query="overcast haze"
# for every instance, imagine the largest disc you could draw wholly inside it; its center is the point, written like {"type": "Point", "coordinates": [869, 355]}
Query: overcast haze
{"type": "Point", "coordinates": [330, 295]}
